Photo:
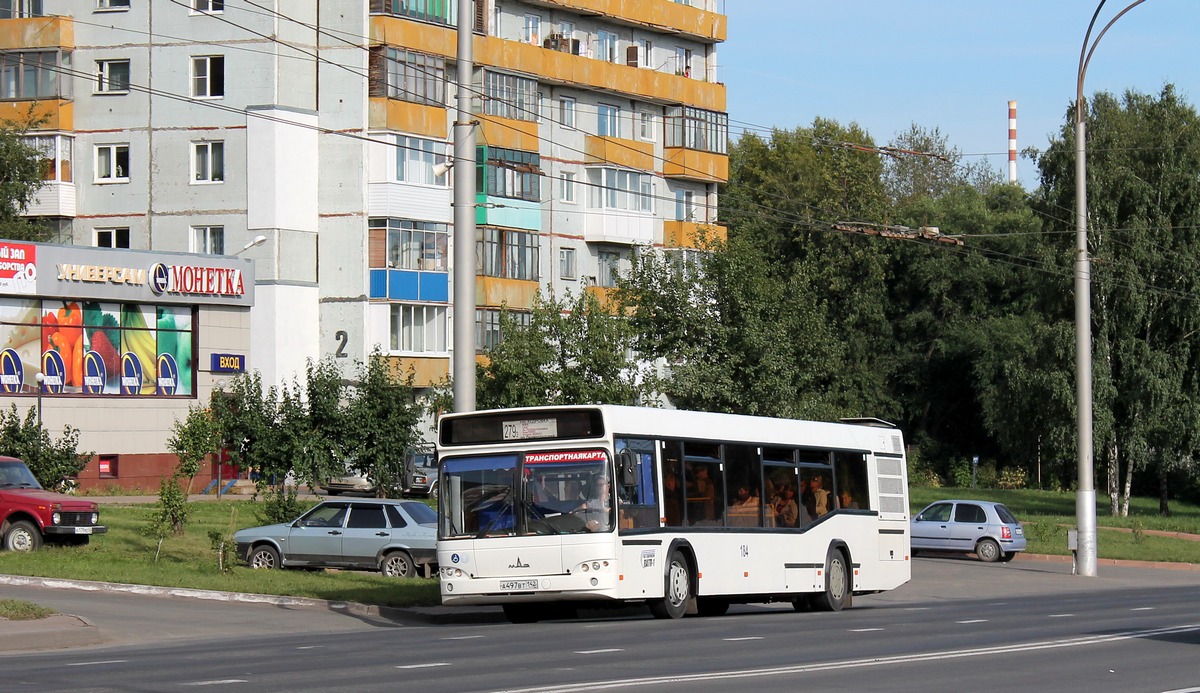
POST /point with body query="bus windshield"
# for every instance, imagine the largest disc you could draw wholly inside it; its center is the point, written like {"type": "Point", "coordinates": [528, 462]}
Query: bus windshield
{"type": "Point", "coordinates": [539, 493]}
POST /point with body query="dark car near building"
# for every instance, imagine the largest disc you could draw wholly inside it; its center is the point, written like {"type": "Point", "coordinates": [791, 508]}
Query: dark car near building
{"type": "Point", "coordinates": [391, 536]}
{"type": "Point", "coordinates": [31, 515]}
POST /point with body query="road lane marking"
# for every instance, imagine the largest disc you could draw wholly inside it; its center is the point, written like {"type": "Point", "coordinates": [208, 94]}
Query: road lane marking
{"type": "Point", "coordinates": [748, 637]}
{"type": "Point", "coordinates": [423, 666]}
{"type": "Point", "coordinates": [105, 661]}
{"type": "Point", "coordinates": [214, 682]}
{"type": "Point", "coordinates": [864, 630]}
{"type": "Point", "coordinates": [989, 651]}
{"type": "Point", "coordinates": [463, 637]}
{"type": "Point", "coordinates": [605, 651]}
{"type": "Point", "coordinates": [1060, 615]}
{"type": "Point", "coordinates": [973, 620]}
{"type": "Point", "coordinates": [310, 647]}
{"type": "Point", "coordinates": [1150, 608]}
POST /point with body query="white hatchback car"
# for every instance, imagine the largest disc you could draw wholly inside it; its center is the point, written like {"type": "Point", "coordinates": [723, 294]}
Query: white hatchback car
{"type": "Point", "coordinates": [985, 528]}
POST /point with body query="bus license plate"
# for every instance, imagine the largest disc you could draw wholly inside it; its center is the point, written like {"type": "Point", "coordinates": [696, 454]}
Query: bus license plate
{"type": "Point", "coordinates": [83, 530]}
{"type": "Point", "coordinates": [519, 585]}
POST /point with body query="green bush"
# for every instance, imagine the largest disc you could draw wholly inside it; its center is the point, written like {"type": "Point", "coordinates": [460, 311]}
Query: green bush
{"type": "Point", "coordinates": [280, 504]}
{"type": "Point", "coordinates": [1012, 478]}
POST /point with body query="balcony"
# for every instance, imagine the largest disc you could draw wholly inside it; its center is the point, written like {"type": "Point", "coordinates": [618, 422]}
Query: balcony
{"type": "Point", "coordinates": [507, 132]}
{"type": "Point", "coordinates": [695, 165]}
{"type": "Point", "coordinates": [37, 32]}
{"type": "Point", "coordinates": [619, 227]}
{"type": "Point", "coordinates": [657, 15]}
{"type": "Point", "coordinates": [54, 114]}
{"type": "Point", "coordinates": [621, 152]}
{"type": "Point", "coordinates": [498, 291]}
{"type": "Point", "coordinates": [690, 234]}
{"type": "Point", "coordinates": [53, 199]}
{"type": "Point", "coordinates": [508, 212]}
{"type": "Point", "coordinates": [557, 66]}
{"type": "Point", "coordinates": [407, 117]}
{"type": "Point", "coordinates": [604, 295]}
{"type": "Point", "coordinates": [427, 370]}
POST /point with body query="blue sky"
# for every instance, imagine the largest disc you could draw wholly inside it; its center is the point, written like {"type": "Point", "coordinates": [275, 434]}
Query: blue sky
{"type": "Point", "coordinates": [950, 64]}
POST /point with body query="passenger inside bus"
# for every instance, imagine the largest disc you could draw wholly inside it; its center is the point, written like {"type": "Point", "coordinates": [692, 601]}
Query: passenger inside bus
{"type": "Point", "coordinates": [672, 507]}
{"type": "Point", "coordinates": [786, 511]}
{"type": "Point", "coordinates": [822, 499]}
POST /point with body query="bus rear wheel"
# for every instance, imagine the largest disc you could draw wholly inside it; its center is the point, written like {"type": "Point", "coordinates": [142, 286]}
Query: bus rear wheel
{"type": "Point", "coordinates": [837, 583]}
{"type": "Point", "coordinates": [677, 590]}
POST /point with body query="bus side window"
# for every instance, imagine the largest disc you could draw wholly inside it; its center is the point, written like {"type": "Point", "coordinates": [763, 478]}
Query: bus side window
{"type": "Point", "coordinates": [638, 504]}
{"type": "Point", "coordinates": [851, 480]}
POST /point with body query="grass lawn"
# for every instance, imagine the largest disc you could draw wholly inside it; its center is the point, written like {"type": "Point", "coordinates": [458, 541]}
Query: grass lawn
{"type": "Point", "coordinates": [126, 555]}
{"type": "Point", "coordinates": [1047, 515]}
{"type": "Point", "coordinates": [15, 610]}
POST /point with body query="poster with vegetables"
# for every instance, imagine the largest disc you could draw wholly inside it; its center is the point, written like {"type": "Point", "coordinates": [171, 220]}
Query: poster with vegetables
{"type": "Point", "coordinates": [102, 339]}
{"type": "Point", "coordinates": [62, 333]}
{"type": "Point", "coordinates": [21, 332]}
{"type": "Point", "coordinates": [139, 350]}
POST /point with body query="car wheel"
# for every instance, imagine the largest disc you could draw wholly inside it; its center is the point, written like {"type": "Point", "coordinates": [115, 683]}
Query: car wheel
{"type": "Point", "coordinates": [677, 590]}
{"type": "Point", "coordinates": [264, 557]}
{"type": "Point", "coordinates": [1008, 556]}
{"type": "Point", "coordinates": [22, 536]}
{"type": "Point", "coordinates": [712, 607]}
{"type": "Point", "coordinates": [397, 564]}
{"type": "Point", "coordinates": [988, 550]}
{"type": "Point", "coordinates": [837, 583]}
{"type": "Point", "coordinates": [433, 491]}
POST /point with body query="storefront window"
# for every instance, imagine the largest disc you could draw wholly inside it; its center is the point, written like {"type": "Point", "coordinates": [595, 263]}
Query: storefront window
{"type": "Point", "coordinates": [84, 347]}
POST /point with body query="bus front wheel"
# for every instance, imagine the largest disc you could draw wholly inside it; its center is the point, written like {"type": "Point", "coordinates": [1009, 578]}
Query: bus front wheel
{"type": "Point", "coordinates": [837, 583]}
{"type": "Point", "coordinates": [677, 592]}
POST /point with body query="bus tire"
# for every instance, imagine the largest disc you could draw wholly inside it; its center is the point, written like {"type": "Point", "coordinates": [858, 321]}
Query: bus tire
{"type": "Point", "coordinates": [677, 589]}
{"type": "Point", "coordinates": [837, 583]}
{"type": "Point", "coordinates": [709, 606]}
{"type": "Point", "coordinates": [522, 613]}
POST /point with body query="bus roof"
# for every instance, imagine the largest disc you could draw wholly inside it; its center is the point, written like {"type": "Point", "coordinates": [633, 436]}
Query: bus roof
{"type": "Point", "coordinates": [862, 434]}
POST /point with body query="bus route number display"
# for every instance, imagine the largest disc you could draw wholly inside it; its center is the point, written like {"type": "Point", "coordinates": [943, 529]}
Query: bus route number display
{"type": "Point", "coordinates": [524, 429]}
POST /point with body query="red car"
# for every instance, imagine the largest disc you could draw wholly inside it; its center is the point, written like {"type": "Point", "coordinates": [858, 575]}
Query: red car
{"type": "Point", "coordinates": [30, 514]}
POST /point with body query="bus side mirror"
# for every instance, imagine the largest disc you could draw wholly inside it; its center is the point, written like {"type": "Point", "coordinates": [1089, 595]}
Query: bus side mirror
{"type": "Point", "coordinates": [627, 467]}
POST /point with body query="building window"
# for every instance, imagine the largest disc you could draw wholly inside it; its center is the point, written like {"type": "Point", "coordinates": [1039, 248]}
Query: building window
{"type": "Point", "coordinates": [608, 120]}
{"type": "Point", "coordinates": [646, 126]}
{"type": "Point", "coordinates": [609, 263]}
{"type": "Point", "coordinates": [20, 9]}
{"type": "Point", "coordinates": [566, 263]}
{"type": "Point", "coordinates": [647, 48]}
{"type": "Point", "coordinates": [55, 151]}
{"type": "Point", "coordinates": [511, 173]}
{"type": "Point", "coordinates": [410, 76]}
{"type": "Point", "coordinates": [683, 61]}
{"type": "Point", "coordinates": [685, 206]}
{"type": "Point", "coordinates": [568, 186]}
{"type": "Point", "coordinates": [33, 74]}
{"type": "Point", "coordinates": [209, 240]}
{"type": "Point", "coordinates": [566, 112]}
{"type": "Point", "coordinates": [112, 238]}
{"type": "Point", "coordinates": [606, 46]}
{"type": "Point", "coordinates": [437, 11]}
{"type": "Point", "coordinates": [613, 188]}
{"type": "Point", "coordinates": [532, 31]}
{"type": "Point", "coordinates": [507, 253]}
{"type": "Point", "coordinates": [509, 96]}
{"type": "Point", "coordinates": [411, 245]}
{"type": "Point", "coordinates": [497, 14]}
{"type": "Point", "coordinates": [487, 326]}
{"type": "Point", "coordinates": [420, 329]}
{"type": "Point", "coordinates": [208, 6]}
{"type": "Point", "coordinates": [415, 159]}
{"type": "Point", "coordinates": [112, 163]}
{"type": "Point", "coordinates": [112, 76]}
{"type": "Point", "coordinates": [208, 162]}
{"type": "Point", "coordinates": [696, 128]}
{"type": "Point", "coordinates": [208, 76]}
{"type": "Point", "coordinates": [112, 4]}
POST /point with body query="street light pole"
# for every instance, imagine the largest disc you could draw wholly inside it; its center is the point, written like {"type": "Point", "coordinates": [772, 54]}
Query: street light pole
{"type": "Point", "coordinates": [1085, 494]}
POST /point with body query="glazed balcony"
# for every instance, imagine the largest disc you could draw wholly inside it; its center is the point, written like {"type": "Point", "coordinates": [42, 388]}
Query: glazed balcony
{"type": "Point", "coordinates": [690, 234]}
{"type": "Point", "coordinates": [621, 152]}
{"type": "Point", "coordinates": [427, 370]}
{"type": "Point", "coordinates": [695, 165]}
{"type": "Point", "coordinates": [517, 294]}
{"type": "Point", "coordinates": [406, 116]}
{"type": "Point", "coordinates": [662, 16]}
{"type": "Point", "coordinates": [50, 114]}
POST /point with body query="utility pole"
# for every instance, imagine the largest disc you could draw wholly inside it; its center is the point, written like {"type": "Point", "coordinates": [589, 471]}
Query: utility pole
{"type": "Point", "coordinates": [463, 163]}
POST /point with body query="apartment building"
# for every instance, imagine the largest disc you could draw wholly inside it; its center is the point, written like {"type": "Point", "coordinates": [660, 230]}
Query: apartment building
{"type": "Point", "coordinates": [199, 126]}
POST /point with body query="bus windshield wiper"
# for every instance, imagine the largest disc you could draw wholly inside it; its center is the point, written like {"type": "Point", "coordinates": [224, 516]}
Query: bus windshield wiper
{"type": "Point", "coordinates": [507, 499]}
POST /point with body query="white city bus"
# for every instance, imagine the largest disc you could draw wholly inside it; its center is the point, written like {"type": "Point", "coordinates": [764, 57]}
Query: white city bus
{"type": "Point", "coordinates": [544, 509]}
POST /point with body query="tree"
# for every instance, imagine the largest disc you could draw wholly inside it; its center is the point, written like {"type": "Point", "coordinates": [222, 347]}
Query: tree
{"type": "Point", "coordinates": [53, 462]}
{"type": "Point", "coordinates": [20, 179]}
{"type": "Point", "coordinates": [923, 166]}
{"type": "Point", "coordinates": [573, 351]}
{"type": "Point", "coordinates": [382, 419]}
{"type": "Point", "coordinates": [1144, 238]}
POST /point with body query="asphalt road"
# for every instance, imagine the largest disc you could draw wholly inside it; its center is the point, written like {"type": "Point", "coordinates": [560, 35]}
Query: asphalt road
{"type": "Point", "coordinates": [958, 625]}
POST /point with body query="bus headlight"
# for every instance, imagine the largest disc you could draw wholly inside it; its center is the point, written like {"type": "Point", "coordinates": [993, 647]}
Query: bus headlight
{"type": "Point", "coordinates": [452, 572]}
{"type": "Point", "coordinates": [593, 566]}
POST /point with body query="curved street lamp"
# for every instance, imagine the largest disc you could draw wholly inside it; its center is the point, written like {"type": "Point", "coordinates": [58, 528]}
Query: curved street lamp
{"type": "Point", "coordinates": [1085, 495]}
